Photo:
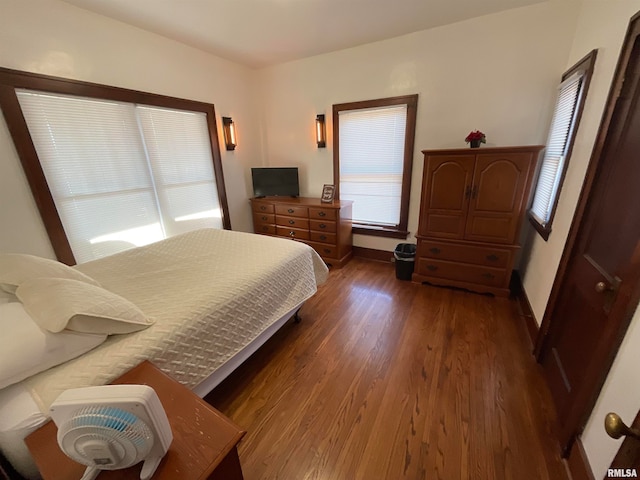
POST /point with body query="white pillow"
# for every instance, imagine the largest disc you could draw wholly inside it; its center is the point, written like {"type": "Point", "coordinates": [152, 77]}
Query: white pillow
{"type": "Point", "coordinates": [16, 268]}
{"type": "Point", "coordinates": [59, 303]}
{"type": "Point", "coordinates": [26, 349]}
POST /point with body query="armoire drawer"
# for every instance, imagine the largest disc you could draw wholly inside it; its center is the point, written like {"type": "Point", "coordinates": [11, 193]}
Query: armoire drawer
{"type": "Point", "coordinates": [489, 256]}
{"type": "Point", "coordinates": [462, 272]}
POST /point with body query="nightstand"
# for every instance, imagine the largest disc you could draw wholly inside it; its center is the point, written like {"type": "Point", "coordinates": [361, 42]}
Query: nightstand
{"type": "Point", "coordinates": [204, 441]}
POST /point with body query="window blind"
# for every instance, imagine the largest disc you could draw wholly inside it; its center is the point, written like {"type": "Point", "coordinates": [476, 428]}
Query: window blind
{"type": "Point", "coordinates": [120, 174]}
{"type": "Point", "coordinates": [556, 148]}
{"type": "Point", "coordinates": [372, 161]}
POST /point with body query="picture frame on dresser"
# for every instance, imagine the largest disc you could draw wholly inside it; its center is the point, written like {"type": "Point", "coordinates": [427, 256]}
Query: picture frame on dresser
{"type": "Point", "coordinates": [328, 193]}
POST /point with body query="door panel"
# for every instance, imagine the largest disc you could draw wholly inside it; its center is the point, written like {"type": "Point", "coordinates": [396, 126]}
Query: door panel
{"type": "Point", "coordinates": [496, 198]}
{"type": "Point", "coordinates": [445, 198]}
{"type": "Point", "coordinates": [592, 306]}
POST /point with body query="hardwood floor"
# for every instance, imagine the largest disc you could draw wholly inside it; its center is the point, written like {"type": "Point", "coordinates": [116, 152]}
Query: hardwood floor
{"type": "Point", "coordinates": [384, 379]}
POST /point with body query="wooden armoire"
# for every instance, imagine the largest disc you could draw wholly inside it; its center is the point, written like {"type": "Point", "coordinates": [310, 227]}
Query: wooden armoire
{"type": "Point", "coordinates": [472, 206]}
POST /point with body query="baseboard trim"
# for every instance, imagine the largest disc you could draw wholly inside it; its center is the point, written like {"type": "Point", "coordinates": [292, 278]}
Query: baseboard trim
{"type": "Point", "coordinates": [578, 464]}
{"type": "Point", "coordinates": [372, 254]}
{"type": "Point", "coordinates": [524, 308]}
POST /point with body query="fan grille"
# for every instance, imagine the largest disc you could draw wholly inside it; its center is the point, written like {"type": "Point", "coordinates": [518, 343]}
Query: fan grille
{"type": "Point", "coordinates": [123, 434]}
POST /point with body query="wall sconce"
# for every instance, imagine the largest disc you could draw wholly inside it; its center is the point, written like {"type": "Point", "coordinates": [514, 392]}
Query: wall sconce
{"type": "Point", "coordinates": [229, 130]}
{"type": "Point", "coordinates": [321, 138]}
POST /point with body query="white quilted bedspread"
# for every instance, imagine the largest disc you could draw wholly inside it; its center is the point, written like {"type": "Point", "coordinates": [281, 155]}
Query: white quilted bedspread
{"type": "Point", "coordinates": [210, 292]}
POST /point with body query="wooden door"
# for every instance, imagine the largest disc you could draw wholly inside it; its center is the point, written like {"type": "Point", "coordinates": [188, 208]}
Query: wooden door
{"type": "Point", "coordinates": [628, 456]}
{"type": "Point", "coordinates": [598, 283]}
{"type": "Point", "coordinates": [445, 192]}
{"type": "Point", "coordinates": [497, 199]}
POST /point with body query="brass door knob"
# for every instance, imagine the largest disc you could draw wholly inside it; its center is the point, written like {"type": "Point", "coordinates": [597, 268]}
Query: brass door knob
{"type": "Point", "coordinates": [616, 428]}
{"type": "Point", "coordinates": [601, 287]}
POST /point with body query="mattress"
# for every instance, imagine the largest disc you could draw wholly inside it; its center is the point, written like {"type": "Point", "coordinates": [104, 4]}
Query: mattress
{"type": "Point", "coordinates": [210, 292]}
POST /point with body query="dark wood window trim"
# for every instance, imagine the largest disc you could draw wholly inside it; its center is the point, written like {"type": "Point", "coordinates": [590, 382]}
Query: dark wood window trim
{"type": "Point", "coordinates": [586, 65]}
{"type": "Point", "coordinates": [379, 231]}
{"type": "Point", "coordinates": [400, 230]}
{"type": "Point", "coordinates": [10, 80]}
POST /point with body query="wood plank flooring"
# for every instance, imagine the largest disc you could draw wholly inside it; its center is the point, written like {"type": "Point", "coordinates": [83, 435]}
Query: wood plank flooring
{"type": "Point", "coordinates": [387, 380]}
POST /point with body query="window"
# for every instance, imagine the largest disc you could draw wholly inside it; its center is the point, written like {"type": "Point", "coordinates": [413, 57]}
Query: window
{"type": "Point", "coordinates": [114, 173]}
{"type": "Point", "coordinates": [566, 118]}
{"type": "Point", "coordinates": [373, 157]}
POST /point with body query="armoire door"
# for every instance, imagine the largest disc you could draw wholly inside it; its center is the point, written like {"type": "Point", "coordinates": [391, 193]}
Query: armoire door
{"type": "Point", "coordinates": [446, 189]}
{"type": "Point", "coordinates": [497, 197]}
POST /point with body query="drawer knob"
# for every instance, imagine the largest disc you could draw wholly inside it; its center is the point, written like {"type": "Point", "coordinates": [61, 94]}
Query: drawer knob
{"type": "Point", "coordinates": [326, 250]}
{"type": "Point", "coordinates": [432, 268]}
{"type": "Point", "coordinates": [492, 258]}
{"type": "Point", "coordinates": [322, 214]}
{"type": "Point", "coordinates": [322, 225]}
{"type": "Point", "coordinates": [264, 218]}
{"type": "Point", "coordinates": [292, 233]}
{"type": "Point", "coordinates": [434, 250]}
{"type": "Point", "coordinates": [292, 222]}
{"type": "Point", "coordinates": [323, 237]}
{"type": "Point", "coordinates": [265, 228]}
{"type": "Point", "coordinates": [488, 275]}
{"type": "Point", "coordinates": [291, 210]}
{"type": "Point", "coordinates": [263, 208]}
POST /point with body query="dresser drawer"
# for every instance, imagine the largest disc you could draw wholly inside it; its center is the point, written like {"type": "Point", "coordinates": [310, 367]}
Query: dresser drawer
{"type": "Point", "coordinates": [324, 250]}
{"type": "Point", "coordinates": [323, 237]}
{"type": "Point", "coordinates": [263, 207]}
{"type": "Point", "coordinates": [292, 222]}
{"type": "Point", "coordinates": [296, 233]}
{"type": "Point", "coordinates": [263, 218]}
{"type": "Point", "coordinates": [461, 272]}
{"type": "Point", "coordinates": [292, 211]}
{"type": "Point", "coordinates": [322, 226]}
{"type": "Point", "coordinates": [264, 228]}
{"type": "Point", "coordinates": [492, 257]}
{"type": "Point", "coordinates": [323, 213]}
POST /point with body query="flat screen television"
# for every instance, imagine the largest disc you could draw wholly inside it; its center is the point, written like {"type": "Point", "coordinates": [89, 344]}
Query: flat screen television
{"type": "Point", "coordinates": [275, 181]}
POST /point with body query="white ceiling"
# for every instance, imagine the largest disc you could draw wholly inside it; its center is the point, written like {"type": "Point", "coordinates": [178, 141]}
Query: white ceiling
{"type": "Point", "coordinates": [259, 33]}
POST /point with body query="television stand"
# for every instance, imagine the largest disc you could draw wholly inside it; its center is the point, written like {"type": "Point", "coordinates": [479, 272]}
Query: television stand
{"type": "Point", "coordinates": [324, 226]}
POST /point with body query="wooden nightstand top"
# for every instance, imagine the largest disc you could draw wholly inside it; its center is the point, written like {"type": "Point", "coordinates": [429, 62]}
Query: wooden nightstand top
{"type": "Point", "coordinates": [202, 436]}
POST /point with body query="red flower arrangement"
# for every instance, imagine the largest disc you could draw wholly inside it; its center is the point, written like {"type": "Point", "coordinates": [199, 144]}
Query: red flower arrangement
{"type": "Point", "coordinates": [476, 136]}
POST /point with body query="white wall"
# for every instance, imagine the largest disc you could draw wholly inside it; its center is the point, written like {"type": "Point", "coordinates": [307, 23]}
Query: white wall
{"type": "Point", "coordinates": [496, 73]}
{"type": "Point", "coordinates": [55, 38]}
{"type": "Point", "coordinates": [601, 25]}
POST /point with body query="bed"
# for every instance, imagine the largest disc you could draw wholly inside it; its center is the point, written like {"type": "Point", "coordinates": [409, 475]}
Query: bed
{"type": "Point", "coordinates": [214, 296]}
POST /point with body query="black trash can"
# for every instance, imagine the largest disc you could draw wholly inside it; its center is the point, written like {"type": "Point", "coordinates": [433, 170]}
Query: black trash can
{"type": "Point", "coordinates": [405, 257]}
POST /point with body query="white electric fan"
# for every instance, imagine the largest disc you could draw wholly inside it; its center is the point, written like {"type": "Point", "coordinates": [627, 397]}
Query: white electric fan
{"type": "Point", "coordinates": [112, 427]}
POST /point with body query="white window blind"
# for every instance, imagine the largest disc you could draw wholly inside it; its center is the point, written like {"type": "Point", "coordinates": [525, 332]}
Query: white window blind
{"type": "Point", "coordinates": [372, 161]}
{"type": "Point", "coordinates": [556, 149]}
{"type": "Point", "coordinates": [122, 175]}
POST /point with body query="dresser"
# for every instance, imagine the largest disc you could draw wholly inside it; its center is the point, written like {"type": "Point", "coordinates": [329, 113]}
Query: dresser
{"type": "Point", "coordinates": [471, 210]}
{"type": "Point", "coordinates": [324, 226]}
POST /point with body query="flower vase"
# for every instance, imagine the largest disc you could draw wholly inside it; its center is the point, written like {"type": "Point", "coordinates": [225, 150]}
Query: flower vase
{"type": "Point", "coordinates": [474, 143]}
